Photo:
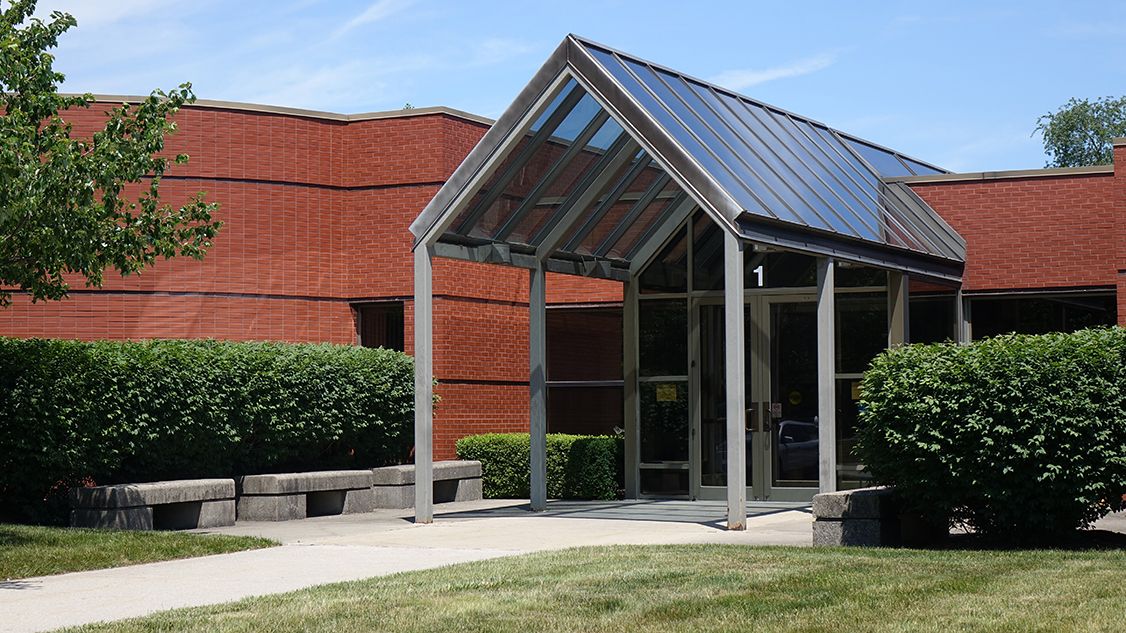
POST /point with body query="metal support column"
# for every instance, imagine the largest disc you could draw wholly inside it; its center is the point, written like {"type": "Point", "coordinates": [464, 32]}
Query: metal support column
{"type": "Point", "coordinates": [629, 389]}
{"type": "Point", "coordinates": [963, 319]}
{"type": "Point", "coordinates": [899, 310]}
{"type": "Point", "coordinates": [735, 366]}
{"type": "Point", "coordinates": [537, 381]}
{"type": "Point", "coordinates": [423, 386]}
{"type": "Point", "coordinates": [826, 375]}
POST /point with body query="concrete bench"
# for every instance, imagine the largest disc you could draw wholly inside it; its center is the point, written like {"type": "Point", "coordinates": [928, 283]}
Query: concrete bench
{"type": "Point", "coordinates": [160, 505]}
{"type": "Point", "coordinates": [871, 517]}
{"type": "Point", "coordinates": [862, 517]}
{"type": "Point", "coordinates": [454, 480]}
{"type": "Point", "coordinates": [289, 496]}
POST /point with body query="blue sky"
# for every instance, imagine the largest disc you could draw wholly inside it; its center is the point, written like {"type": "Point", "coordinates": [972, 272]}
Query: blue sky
{"type": "Point", "coordinates": [959, 84]}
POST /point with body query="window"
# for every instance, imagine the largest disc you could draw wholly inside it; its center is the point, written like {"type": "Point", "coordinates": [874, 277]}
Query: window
{"type": "Point", "coordinates": [380, 325]}
{"type": "Point", "coordinates": [1041, 314]}
{"type": "Point", "coordinates": [584, 370]}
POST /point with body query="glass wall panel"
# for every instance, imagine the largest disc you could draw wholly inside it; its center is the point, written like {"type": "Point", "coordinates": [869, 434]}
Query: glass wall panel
{"type": "Point", "coordinates": [713, 396]}
{"type": "Point", "coordinates": [584, 344]}
{"type": "Point", "coordinates": [932, 319]}
{"type": "Point", "coordinates": [585, 410]}
{"type": "Point", "coordinates": [668, 272]}
{"type": "Point", "coordinates": [862, 330]}
{"type": "Point", "coordinates": [793, 386]}
{"type": "Point", "coordinates": [861, 335]}
{"type": "Point", "coordinates": [1039, 315]}
{"type": "Point", "coordinates": [663, 337]}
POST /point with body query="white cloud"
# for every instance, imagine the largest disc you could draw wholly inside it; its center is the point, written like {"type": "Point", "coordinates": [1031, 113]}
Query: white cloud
{"type": "Point", "coordinates": [378, 10]}
{"type": "Point", "coordinates": [742, 78]}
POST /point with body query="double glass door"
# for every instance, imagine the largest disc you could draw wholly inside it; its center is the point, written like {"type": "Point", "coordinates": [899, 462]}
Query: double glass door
{"type": "Point", "coordinates": [683, 411]}
{"type": "Point", "coordinates": [781, 397]}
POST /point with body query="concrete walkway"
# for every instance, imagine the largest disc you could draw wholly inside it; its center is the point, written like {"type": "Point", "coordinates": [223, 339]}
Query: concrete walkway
{"type": "Point", "coordinates": [335, 549]}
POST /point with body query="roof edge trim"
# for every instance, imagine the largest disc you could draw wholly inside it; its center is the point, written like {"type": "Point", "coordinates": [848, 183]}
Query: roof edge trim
{"type": "Point", "coordinates": [1050, 172]}
{"type": "Point", "coordinates": [301, 112]}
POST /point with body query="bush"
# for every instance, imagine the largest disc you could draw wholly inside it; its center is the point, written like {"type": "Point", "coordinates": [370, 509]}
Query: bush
{"type": "Point", "coordinates": [111, 412]}
{"type": "Point", "coordinates": [1019, 437]}
{"type": "Point", "coordinates": [578, 466]}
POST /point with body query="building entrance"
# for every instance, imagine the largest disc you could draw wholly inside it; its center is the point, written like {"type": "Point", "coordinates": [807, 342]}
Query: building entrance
{"type": "Point", "coordinates": [781, 396]}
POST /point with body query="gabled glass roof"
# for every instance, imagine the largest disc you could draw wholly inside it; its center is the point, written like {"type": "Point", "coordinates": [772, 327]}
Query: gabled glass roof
{"type": "Point", "coordinates": [604, 153]}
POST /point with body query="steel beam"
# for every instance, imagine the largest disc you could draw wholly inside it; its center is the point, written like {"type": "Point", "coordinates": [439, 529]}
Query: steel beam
{"type": "Point", "coordinates": [826, 375]}
{"type": "Point", "coordinates": [899, 310]}
{"type": "Point", "coordinates": [629, 388]}
{"type": "Point", "coordinates": [963, 318]}
{"type": "Point", "coordinates": [655, 237]}
{"type": "Point", "coordinates": [735, 362]}
{"type": "Point", "coordinates": [423, 386]}
{"type": "Point", "coordinates": [537, 381]}
{"type": "Point", "coordinates": [576, 204]}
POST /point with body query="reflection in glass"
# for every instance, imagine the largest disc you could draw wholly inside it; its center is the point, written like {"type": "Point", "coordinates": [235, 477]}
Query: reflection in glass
{"type": "Point", "coordinates": [1039, 315]}
{"type": "Point", "coordinates": [862, 330]}
{"type": "Point", "coordinates": [663, 337]}
{"type": "Point", "coordinates": [793, 386]}
{"type": "Point", "coordinates": [713, 397]}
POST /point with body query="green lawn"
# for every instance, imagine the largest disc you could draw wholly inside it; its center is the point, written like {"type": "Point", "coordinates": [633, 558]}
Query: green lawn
{"type": "Point", "coordinates": [702, 588]}
{"type": "Point", "coordinates": [27, 551]}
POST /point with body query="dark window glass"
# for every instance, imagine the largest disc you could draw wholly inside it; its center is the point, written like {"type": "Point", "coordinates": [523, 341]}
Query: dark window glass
{"type": "Point", "coordinates": [584, 344]}
{"type": "Point", "coordinates": [663, 337]}
{"type": "Point", "coordinates": [584, 410]}
{"type": "Point", "coordinates": [850, 472]}
{"type": "Point", "coordinates": [862, 330]}
{"type": "Point", "coordinates": [1039, 315]}
{"type": "Point", "coordinates": [932, 319]}
{"type": "Point", "coordinates": [668, 272]}
{"type": "Point", "coordinates": [664, 421]}
{"type": "Point", "coordinates": [381, 325]}
{"type": "Point", "coordinates": [854, 276]}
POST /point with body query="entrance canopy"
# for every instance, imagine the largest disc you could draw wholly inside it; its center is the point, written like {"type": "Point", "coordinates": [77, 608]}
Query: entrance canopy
{"type": "Point", "coordinates": [604, 155]}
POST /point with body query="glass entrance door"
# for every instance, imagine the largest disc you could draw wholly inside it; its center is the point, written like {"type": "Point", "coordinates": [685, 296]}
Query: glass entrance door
{"type": "Point", "coordinates": [781, 418]}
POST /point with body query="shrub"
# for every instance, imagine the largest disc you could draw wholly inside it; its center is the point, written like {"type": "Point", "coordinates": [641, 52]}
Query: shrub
{"type": "Point", "coordinates": [578, 466]}
{"type": "Point", "coordinates": [1019, 437]}
{"type": "Point", "coordinates": [113, 412]}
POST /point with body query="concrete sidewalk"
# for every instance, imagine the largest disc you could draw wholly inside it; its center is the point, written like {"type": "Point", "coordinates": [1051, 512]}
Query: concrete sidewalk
{"type": "Point", "coordinates": [335, 549]}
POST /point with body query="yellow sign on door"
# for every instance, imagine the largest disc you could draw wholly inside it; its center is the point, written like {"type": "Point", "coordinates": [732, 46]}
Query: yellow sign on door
{"type": "Point", "coordinates": [666, 392]}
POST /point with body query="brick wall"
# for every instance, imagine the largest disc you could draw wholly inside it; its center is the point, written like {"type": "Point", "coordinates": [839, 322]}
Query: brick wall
{"type": "Point", "coordinates": [316, 216]}
{"type": "Point", "coordinates": [1120, 226]}
{"type": "Point", "coordinates": [1033, 233]}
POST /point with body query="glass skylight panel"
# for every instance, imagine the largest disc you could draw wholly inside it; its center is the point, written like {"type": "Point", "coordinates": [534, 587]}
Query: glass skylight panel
{"type": "Point", "coordinates": [919, 168]}
{"type": "Point", "coordinates": [885, 163]}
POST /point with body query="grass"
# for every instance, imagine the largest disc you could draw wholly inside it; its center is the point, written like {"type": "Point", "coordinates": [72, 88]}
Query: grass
{"type": "Point", "coordinates": [701, 588]}
{"type": "Point", "coordinates": [27, 551]}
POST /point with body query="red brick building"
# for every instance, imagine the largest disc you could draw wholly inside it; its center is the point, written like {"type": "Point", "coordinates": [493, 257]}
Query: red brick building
{"type": "Point", "coordinates": [316, 248]}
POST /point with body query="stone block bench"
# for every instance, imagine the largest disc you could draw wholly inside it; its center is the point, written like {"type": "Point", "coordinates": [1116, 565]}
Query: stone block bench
{"type": "Point", "coordinates": [862, 517]}
{"type": "Point", "coordinates": [870, 517]}
{"type": "Point", "coordinates": [289, 496]}
{"type": "Point", "coordinates": [454, 480]}
{"type": "Point", "coordinates": [159, 505]}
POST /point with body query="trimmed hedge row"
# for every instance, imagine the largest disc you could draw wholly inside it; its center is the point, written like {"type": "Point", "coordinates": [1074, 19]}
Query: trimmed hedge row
{"type": "Point", "coordinates": [578, 466]}
{"type": "Point", "coordinates": [1020, 437]}
{"type": "Point", "coordinates": [112, 412]}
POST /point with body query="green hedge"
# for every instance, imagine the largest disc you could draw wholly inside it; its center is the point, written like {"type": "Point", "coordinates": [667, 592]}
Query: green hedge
{"type": "Point", "coordinates": [578, 466]}
{"type": "Point", "coordinates": [1020, 437]}
{"type": "Point", "coordinates": [113, 412]}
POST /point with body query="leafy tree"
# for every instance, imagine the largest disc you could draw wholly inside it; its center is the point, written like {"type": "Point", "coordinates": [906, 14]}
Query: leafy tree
{"type": "Point", "coordinates": [1080, 132]}
{"type": "Point", "coordinates": [81, 205]}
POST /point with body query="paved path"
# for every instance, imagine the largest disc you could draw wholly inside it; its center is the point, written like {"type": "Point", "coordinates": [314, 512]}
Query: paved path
{"type": "Point", "coordinates": [334, 549]}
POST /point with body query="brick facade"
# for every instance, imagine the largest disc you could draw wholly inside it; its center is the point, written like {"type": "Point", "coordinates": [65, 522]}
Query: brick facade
{"type": "Point", "coordinates": [317, 210]}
